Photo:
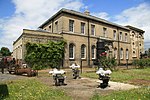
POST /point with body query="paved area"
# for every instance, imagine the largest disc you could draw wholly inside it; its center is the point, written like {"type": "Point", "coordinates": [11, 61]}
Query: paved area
{"type": "Point", "coordinates": [9, 77]}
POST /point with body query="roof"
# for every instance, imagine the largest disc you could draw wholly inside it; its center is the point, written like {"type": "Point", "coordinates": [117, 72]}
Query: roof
{"type": "Point", "coordinates": [38, 32]}
{"type": "Point", "coordinates": [63, 10]}
{"type": "Point", "coordinates": [134, 28]}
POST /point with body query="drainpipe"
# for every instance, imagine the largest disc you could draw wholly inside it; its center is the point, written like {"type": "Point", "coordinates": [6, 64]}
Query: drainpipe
{"type": "Point", "coordinates": [118, 47]}
{"type": "Point", "coordinates": [88, 44]}
{"type": "Point", "coordinates": [52, 24]}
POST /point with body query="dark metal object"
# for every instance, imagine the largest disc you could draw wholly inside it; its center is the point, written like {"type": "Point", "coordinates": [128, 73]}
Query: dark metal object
{"type": "Point", "coordinates": [127, 63]}
{"type": "Point", "coordinates": [105, 80]}
{"type": "Point", "coordinates": [76, 73]}
{"type": "Point", "coordinates": [59, 79]}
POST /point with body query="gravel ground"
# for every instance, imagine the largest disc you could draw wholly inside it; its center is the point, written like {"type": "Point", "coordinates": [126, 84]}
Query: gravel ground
{"type": "Point", "coordinates": [9, 77]}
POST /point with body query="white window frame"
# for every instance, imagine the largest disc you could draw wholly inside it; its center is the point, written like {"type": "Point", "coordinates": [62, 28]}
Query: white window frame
{"type": "Point", "coordinates": [93, 51]}
{"type": "Point", "coordinates": [56, 26]}
{"type": "Point", "coordinates": [127, 54]}
{"type": "Point", "coordinates": [120, 38]}
{"type": "Point", "coordinates": [73, 51]}
{"type": "Point", "coordinates": [92, 29]}
{"type": "Point", "coordinates": [82, 28]}
{"type": "Point", "coordinates": [121, 53]}
{"type": "Point", "coordinates": [71, 25]}
{"type": "Point", "coordinates": [126, 37]}
{"type": "Point", "coordinates": [104, 32]}
{"type": "Point", "coordinates": [115, 53]}
{"type": "Point", "coordinates": [83, 51]}
{"type": "Point", "coordinates": [115, 35]}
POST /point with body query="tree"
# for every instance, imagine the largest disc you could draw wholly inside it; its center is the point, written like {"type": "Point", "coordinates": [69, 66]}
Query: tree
{"type": "Point", "coordinates": [5, 51]}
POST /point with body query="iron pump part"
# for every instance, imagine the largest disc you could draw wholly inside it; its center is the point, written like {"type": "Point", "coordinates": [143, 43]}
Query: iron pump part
{"type": "Point", "coordinates": [104, 76]}
{"type": "Point", "coordinates": [58, 76]}
{"type": "Point", "coordinates": [75, 70]}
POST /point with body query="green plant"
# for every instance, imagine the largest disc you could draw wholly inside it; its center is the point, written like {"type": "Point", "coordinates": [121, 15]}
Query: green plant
{"type": "Point", "coordinates": [107, 62]}
{"type": "Point", "coordinates": [141, 63]}
{"type": "Point", "coordinates": [40, 56]}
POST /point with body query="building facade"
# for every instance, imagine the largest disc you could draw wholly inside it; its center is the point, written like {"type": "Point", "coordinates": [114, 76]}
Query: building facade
{"type": "Point", "coordinates": [81, 32]}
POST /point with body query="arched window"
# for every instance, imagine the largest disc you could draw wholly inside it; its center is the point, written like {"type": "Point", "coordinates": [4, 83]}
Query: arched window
{"type": "Point", "coordinates": [115, 53]}
{"type": "Point", "coordinates": [127, 54]}
{"type": "Point", "coordinates": [71, 51]}
{"type": "Point", "coordinates": [126, 37]}
{"type": "Point", "coordinates": [134, 54]}
{"type": "Point", "coordinates": [83, 51]}
{"type": "Point", "coordinates": [93, 51]}
{"type": "Point", "coordinates": [121, 53]}
{"type": "Point", "coordinates": [120, 36]}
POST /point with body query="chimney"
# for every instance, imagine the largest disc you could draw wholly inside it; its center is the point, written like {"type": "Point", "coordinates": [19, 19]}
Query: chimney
{"type": "Point", "coordinates": [86, 12]}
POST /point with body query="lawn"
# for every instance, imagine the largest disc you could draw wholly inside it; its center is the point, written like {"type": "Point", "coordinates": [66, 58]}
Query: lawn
{"type": "Point", "coordinates": [32, 89]}
{"type": "Point", "coordinates": [134, 94]}
{"type": "Point", "coordinates": [139, 77]}
{"type": "Point", "coordinates": [133, 76]}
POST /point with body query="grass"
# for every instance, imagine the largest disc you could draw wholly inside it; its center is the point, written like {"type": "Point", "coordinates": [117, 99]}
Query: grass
{"type": "Point", "coordinates": [32, 89]}
{"type": "Point", "coordinates": [125, 75]}
{"type": "Point", "coordinates": [134, 94]}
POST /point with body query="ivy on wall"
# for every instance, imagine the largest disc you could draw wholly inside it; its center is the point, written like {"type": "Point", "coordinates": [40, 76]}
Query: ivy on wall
{"type": "Point", "coordinates": [39, 56]}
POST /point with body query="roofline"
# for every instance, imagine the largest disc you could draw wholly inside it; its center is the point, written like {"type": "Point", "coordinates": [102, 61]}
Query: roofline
{"type": "Point", "coordinates": [84, 16]}
{"type": "Point", "coordinates": [25, 32]}
{"type": "Point", "coordinates": [134, 28]}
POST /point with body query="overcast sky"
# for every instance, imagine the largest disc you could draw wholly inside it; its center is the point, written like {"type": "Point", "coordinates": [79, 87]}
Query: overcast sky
{"type": "Point", "coordinates": [16, 15]}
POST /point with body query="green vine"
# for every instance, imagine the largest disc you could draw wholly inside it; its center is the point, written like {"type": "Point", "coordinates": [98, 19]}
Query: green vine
{"type": "Point", "coordinates": [40, 56]}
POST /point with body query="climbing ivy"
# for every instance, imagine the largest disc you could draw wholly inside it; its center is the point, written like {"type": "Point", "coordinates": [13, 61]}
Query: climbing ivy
{"type": "Point", "coordinates": [39, 56]}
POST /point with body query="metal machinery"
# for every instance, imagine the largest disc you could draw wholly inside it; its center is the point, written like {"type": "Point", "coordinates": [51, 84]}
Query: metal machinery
{"type": "Point", "coordinates": [75, 70]}
{"type": "Point", "coordinates": [104, 76]}
{"type": "Point", "coordinates": [58, 76]}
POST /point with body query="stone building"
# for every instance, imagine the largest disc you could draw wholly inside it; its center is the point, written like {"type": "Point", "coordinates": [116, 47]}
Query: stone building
{"type": "Point", "coordinates": [82, 31]}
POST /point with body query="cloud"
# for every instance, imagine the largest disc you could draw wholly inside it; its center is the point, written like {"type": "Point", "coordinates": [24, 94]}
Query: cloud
{"type": "Point", "coordinates": [139, 17]}
{"type": "Point", "coordinates": [102, 15]}
{"type": "Point", "coordinates": [31, 14]}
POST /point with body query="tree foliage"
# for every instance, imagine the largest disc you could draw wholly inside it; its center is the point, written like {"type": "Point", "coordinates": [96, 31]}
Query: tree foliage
{"type": "Point", "coordinates": [40, 56]}
{"type": "Point", "coordinates": [5, 51]}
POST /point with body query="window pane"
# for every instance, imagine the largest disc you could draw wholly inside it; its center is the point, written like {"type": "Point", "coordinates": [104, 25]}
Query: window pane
{"type": "Point", "coordinates": [71, 25]}
{"type": "Point", "coordinates": [114, 35]}
{"type": "Point", "coordinates": [83, 51]}
{"type": "Point", "coordinates": [115, 53]}
{"type": "Point", "coordinates": [121, 53]}
{"type": "Point", "coordinates": [127, 54]}
{"type": "Point", "coordinates": [104, 32]}
{"type": "Point", "coordinates": [92, 29]}
{"type": "Point", "coordinates": [71, 51]}
{"type": "Point", "coordinates": [126, 38]}
{"type": "Point", "coordinates": [82, 27]}
{"type": "Point", "coordinates": [93, 51]}
{"type": "Point", "coordinates": [120, 36]}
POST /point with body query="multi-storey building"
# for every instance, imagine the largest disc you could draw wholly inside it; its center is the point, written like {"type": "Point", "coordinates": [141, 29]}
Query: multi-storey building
{"type": "Point", "coordinates": [82, 31]}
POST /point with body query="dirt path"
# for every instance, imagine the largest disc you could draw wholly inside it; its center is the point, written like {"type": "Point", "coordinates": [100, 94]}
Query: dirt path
{"type": "Point", "coordinates": [85, 88]}
{"type": "Point", "coordinates": [78, 89]}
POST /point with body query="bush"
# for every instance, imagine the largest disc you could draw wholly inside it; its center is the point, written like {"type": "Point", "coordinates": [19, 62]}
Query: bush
{"type": "Point", "coordinates": [141, 63]}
